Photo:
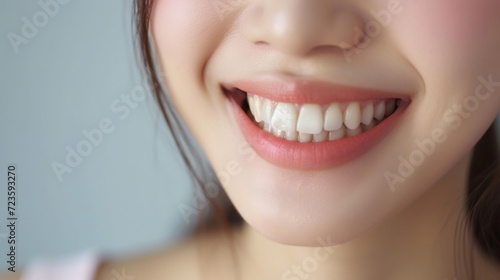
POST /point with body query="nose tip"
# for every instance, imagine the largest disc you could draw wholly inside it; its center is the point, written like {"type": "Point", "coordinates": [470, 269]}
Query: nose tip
{"type": "Point", "coordinates": [298, 27]}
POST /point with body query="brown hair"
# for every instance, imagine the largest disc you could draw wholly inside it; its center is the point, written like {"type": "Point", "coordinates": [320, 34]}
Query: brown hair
{"type": "Point", "coordinates": [482, 209]}
{"type": "Point", "coordinates": [199, 169]}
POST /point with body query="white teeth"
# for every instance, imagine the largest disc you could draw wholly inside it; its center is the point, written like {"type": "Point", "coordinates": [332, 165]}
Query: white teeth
{"type": "Point", "coordinates": [333, 118]}
{"type": "Point", "coordinates": [267, 111]}
{"type": "Point", "coordinates": [267, 127]}
{"type": "Point", "coordinates": [284, 117]}
{"type": "Point", "coordinates": [310, 119]}
{"type": "Point", "coordinates": [257, 108]}
{"type": "Point", "coordinates": [292, 136]}
{"type": "Point", "coordinates": [380, 110]}
{"type": "Point", "coordinates": [390, 108]}
{"type": "Point", "coordinates": [320, 137]}
{"type": "Point", "coordinates": [367, 115]}
{"type": "Point", "coordinates": [317, 123]}
{"type": "Point", "coordinates": [337, 134]}
{"type": "Point", "coordinates": [278, 133]}
{"type": "Point", "coordinates": [369, 126]}
{"type": "Point", "coordinates": [354, 132]}
{"type": "Point", "coordinates": [251, 104]}
{"type": "Point", "coordinates": [305, 137]}
{"type": "Point", "coordinates": [352, 115]}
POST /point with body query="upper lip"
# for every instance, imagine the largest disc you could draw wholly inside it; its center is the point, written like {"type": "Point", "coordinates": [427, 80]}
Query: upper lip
{"type": "Point", "coordinates": [300, 91]}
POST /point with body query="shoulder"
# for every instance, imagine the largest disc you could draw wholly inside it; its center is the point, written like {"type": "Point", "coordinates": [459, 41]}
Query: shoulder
{"type": "Point", "coordinates": [186, 260]}
{"type": "Point", "coordinates": [195, 258]}
{"type": "Point", "coordinates": [10, 276]}
{"type": "Point", "coordinates": [152, 265]}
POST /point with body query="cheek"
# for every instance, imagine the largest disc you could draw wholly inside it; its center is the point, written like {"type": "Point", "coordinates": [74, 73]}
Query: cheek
{"type": "Point", "coordinates": [185, 34]}
{"type": "Point", "coordinates": [462, 20]}
{"type": "Point", "coordinates": [449, 41]}
{"type": "Point", "coordinates": [462, 24]}
{"type": "Point", "coordinates": [184, 31]}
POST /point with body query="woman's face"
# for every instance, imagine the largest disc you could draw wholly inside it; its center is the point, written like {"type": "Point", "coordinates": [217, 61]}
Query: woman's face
{"type": "Point", "coordinates": [322, 77]}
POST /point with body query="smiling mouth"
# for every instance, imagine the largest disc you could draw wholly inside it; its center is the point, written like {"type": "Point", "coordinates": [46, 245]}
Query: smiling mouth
{"type": "Point", "coordinates": [310, 122]}
{"type": "Point", "coordinates": [312, 125]}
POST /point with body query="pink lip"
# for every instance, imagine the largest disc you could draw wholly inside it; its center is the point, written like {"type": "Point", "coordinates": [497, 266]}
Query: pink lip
{"type": "Point", "coordinates": [312, 156]}
{"type": "Point", "coordinates": [288, 90]}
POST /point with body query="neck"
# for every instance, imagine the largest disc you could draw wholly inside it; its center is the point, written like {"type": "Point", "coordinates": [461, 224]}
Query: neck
{"type": "Point", "coordinates": [416, 243]}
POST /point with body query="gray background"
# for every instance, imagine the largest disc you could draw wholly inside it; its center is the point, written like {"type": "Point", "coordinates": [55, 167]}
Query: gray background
{"type": "Point", "coordinates": [124, 196]}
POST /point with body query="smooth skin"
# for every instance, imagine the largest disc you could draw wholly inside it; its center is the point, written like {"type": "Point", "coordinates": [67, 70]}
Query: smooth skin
{"type": "Point", "coordinates": [422, 50]}
{"type": "Point", "coordinates": [377, 229]}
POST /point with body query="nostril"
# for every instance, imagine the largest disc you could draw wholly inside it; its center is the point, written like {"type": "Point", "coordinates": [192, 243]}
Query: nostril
{"type": "Point", "coordinates": [298, 27]}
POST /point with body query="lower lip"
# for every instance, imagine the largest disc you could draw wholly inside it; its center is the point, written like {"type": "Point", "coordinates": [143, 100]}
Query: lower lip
{"type": "Point", "coordinates": [313, 156]}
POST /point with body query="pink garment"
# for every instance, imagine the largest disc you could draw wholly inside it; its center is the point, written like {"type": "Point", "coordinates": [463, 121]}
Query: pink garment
{"type": "Point", "coordinates": [76, 267]}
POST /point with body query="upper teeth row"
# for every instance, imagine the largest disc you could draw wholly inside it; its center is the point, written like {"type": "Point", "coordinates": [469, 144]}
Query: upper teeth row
{"type": "Point", "coordinates": [314, 118]}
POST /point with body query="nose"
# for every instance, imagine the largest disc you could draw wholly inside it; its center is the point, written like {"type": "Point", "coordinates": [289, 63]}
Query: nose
{"type": "Point", "coordinates": [298, 27]}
